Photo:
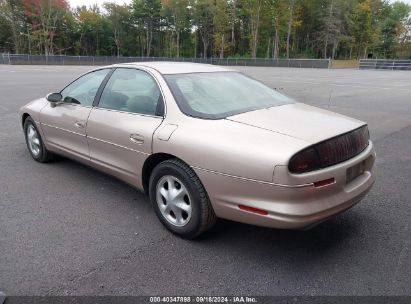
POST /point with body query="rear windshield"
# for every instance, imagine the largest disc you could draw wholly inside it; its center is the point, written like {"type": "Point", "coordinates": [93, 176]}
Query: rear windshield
{"type": "Point", "coordinates": [218, 95]}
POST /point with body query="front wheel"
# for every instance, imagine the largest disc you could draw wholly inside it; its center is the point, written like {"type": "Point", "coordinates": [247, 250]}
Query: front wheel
{"type": "Point", "coordinates": [180, 200]}
{"type": "Point", "coordinates": [35, 143]}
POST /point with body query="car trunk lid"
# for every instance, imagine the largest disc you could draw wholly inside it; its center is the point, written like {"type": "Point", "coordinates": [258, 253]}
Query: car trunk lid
{"type": "Point", "coordinates": [300, 121]}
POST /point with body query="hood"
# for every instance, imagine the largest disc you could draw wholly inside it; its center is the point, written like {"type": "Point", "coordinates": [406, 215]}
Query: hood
{"type": "Point", "coordinates": [300, 121]}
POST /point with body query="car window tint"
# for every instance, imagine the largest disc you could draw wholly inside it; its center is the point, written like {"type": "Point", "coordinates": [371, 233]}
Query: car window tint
{"type": "Point", "coordinates": [83, 90]}
{"type": "Point", "coordinates": [131, 90]}
{"type": "Point", "coordinates": [218, 95]}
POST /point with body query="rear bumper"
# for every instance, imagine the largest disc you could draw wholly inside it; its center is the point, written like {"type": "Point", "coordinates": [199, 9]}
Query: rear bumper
{"type": "Point", "coordinates": [290, 206]}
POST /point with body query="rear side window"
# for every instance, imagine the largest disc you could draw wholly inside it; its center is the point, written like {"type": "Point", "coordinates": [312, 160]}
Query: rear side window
{"type": "Point", "coordinates": [131, 90]}
{"type": "Point", "coordinates": [83, 90]}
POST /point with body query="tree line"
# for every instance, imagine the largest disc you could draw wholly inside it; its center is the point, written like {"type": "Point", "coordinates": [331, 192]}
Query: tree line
{"type": "Point", "coordinates": [345, 29]}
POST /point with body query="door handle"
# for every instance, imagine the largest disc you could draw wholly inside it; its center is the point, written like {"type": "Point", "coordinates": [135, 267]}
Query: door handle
{"type": "Point", "coordinates": [137, 138]}
{"type": "Point", "coordinates": [79, 124]}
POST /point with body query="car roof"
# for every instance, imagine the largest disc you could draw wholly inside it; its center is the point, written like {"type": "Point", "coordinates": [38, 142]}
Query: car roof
{"type": "Point", "coordinates": [167, 67]}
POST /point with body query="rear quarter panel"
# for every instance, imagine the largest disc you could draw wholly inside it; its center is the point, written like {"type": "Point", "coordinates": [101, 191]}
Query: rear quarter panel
{"type": "Point", "coordinates": [229, 147]}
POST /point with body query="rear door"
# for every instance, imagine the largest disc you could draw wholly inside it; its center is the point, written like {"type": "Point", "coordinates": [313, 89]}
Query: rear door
{"type": "Point", "coordinates": [64, 124]}
{"type": "Point", "coordinates": [120, 128]}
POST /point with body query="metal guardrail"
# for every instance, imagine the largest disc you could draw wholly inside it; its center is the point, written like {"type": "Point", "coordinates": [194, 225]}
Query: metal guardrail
{"type": "Point", "coordinates": [385, 64]}
{"type": "Point", "coordinates": [106, 60]}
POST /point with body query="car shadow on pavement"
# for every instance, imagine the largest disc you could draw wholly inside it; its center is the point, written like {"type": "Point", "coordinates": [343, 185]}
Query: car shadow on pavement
{"type": "Point", "coordinates": [319, 239]}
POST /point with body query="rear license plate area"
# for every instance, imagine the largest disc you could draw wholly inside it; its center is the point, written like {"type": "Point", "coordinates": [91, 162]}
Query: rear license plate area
{"type": "Point", "coordinates": [354, 171]}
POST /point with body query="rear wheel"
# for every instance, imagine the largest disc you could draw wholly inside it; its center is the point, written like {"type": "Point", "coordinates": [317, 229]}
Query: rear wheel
{"type": "Point", "coordinates": [180, 200]}
{"type": "Point", "coordinates": [35, 143]}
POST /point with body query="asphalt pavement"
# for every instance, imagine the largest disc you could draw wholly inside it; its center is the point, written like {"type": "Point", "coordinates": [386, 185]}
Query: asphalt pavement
{"type": "Point", "coordinates": [66, 229]}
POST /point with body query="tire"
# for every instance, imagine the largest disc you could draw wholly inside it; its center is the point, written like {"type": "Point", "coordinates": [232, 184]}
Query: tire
{"type": "Point", "coordinates": [187, 214]}
{"type": "Point", "coordinates": [36, 145]}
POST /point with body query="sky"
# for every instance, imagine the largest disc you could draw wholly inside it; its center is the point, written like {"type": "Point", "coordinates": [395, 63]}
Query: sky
{"type": "Point", "coordinates": [406, 1]}
{"type": "Point", "coordinates": [74, 3]}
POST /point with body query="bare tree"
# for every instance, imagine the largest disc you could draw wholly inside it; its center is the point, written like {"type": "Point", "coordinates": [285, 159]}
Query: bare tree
{"type": "Point", "coordinates": [254, 8]}
{"type": "Point", "coordinates": [203, 20]}
{"type": "Point", "coordinates": [289, 26]}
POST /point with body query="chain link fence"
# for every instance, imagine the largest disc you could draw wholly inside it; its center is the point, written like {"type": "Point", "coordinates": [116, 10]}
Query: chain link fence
{"type": "Point", "coordinates": [106, 60]}
{"type": "Point", "coordinates": [385, 64]}
{"type": "Point", "coordinates": [2, 58]}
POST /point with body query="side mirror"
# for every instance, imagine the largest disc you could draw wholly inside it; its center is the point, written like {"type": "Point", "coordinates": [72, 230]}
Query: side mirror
{"type": "Point", "coordinates": [54, 97]}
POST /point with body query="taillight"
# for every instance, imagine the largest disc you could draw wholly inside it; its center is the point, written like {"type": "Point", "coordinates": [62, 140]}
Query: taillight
{"type": "Point", "coordinates": [330, 152]}
{"type": "Point", "coordinates": [304, 161]}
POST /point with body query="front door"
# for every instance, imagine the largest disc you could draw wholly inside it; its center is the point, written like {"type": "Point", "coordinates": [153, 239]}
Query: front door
{"type": "Point", "coordinates": [120, 129]}
{"type": "Point", "coordinates": [64, 124]}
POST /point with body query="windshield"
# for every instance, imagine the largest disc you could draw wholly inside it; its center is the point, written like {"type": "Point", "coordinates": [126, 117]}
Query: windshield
{"type": "Point", "coordinates": [221, 94]}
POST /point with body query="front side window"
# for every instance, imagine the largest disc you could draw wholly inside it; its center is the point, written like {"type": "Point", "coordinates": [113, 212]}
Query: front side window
{"type": "Point", "coordinates": [221, 94]}
{"type": "Point", "coordinates": [131, 90]}
{"type": "Point", "coordinates": [83, 90]}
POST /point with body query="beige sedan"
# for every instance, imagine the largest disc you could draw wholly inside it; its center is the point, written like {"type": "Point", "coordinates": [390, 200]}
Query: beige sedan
{"type": "Point", "coordinates": [206, 142]}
